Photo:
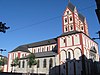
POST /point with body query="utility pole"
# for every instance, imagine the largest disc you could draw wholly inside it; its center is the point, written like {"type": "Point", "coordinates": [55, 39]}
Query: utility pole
{"type": "Point", "coordinates": [3, 28]}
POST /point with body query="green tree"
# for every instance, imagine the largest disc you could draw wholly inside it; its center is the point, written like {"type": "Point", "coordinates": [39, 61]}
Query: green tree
{"type": "Point", "coordinates": [31, 60]}
{"type": "Point", "coordinates": [3, 61]}
{"type": "Point", "coordinates": [15, 62]}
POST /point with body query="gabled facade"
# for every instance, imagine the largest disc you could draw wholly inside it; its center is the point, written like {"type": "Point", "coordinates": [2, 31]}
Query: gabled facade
{"type": "Point", "coordinates": [73, 21]}
{"type": "Point", "coordinates": [69, 53]}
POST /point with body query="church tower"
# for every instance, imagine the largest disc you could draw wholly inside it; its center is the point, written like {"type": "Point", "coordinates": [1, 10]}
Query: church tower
{"type": "Point", "coordinates": [73, 21]}
{"type": "Point", "coordinates": [75, 44]}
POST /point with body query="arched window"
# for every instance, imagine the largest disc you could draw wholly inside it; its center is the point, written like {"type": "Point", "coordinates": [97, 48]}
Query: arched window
{"type": "Point", "coordinates": [65, 20]}
{"type": "Point", "coordinates": [70, 18]}
{"type": "Point", "coordinates": [42, 49]}
{"type": "Point", "coordinates": [30, 66]}
{"type": "Point", "coordinates": [71, 27]}
{"type": "Point", "coordinates": [82, 28]}
{"type": "Point", "coordinates": [47, 49]}
{"type": "Point", "coordinates": [38, 64]}
{"type": "Point", "coordinates": [50, 63]}
{"type": "Point", "coordinates": [38, 50]}
{"type": "Point", "coordinates": [77, 53]}
{"type": "Point", "coordinates": [15, 55]}
{"type": "Point", "coordinates": [23, 64]}
{"type": "Point", "coordinates": [66, 29]}
{"type": "Point", "coordinates": [34, 50]}
{"type": "Point", "coordinates": [52, 47]}
{"type": "Point", "coordinates": [69, 55]}
{"type": "Point", "coordinates": [64, 40]}
{"type": "Point", "coordinates": [68, 12]}
{"type": "Point", "coordinates": [44, 63]}
{"type": "Point", "coordinates": [19, 64]}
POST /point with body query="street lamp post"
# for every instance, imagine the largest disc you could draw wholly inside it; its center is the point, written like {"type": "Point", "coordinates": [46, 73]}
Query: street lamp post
{"type": "Point", "coordinates": [98, 37]}
{"type": "Point", "coordinates": [2, 50]}
{"type": "Point", "coordinates": [2, 56]}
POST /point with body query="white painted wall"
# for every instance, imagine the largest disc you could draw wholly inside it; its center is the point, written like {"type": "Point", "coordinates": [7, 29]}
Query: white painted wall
{"type": "Point", "coordinates": [42, 48]}
{"type": "Point", "coordinates": [41, 69]}
{"type": "Point", "coordinates": [76, 39]}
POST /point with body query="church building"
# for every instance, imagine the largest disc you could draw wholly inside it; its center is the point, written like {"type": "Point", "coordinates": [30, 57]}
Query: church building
{"type": "Point", "coordinates": [70, 53]}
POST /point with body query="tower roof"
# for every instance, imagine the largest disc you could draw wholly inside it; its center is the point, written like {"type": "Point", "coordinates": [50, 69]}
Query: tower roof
{"type": "Point", "coordinates": [82, 18]}
{"type": "Point", "coordinates": [71, 6]}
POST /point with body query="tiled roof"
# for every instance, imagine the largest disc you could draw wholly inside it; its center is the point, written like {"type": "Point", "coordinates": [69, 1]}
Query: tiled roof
{"type": "Point", "coordinates": [21, 48]}
{"type": "Point", "coordinates": [42, 43]}
{"type": "Point", "coordinates": [82, 18]}
{"type": "Point", "coordinates": [45, 54]}
{"type": "Point", "coordinates": [24, 48]}
{"type": "Point", "coordinates": [42, 54]}
{"type": "Point", "coordinates": [71, 6]}
{"type": "Point", "coordinates": [69, 33]}
{"type": "Point", "coordinates": [74, 32]}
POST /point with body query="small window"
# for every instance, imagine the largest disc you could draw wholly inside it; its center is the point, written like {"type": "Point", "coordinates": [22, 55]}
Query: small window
{"type": "Point", "coordinates": [34, 50]}
{"type": "Point", "coordinates": [65, 20]}
{"type": "Point", "coordinates": [64, 40]}
{"type": "Point", "coordinates": [38, 64]}
{"type": "Point", "coordinates": [47, 49]}
{"type": "Point", "coordinates": [52, 47]}
{"type": "Point", "coordinates": [71, 27]}
{"type": "Point", "coordinates": [19, 64]}
{"type": "Point", "coordinates": [50, 63]}
{"type": "Point", "coordinates": [82, 28]}
{"type": "Point", "coordinates": [42, 49]}
{"type": "Point", "coordinates": [69, 55]}
{"type": "Point", "coordinates": [15, 55]}
{"type": "Point", "coordinates": [68, 12]}
{"type": "Point", "coordinates": [70, 18]}
{"type": "Point", "coordinates": [44, 63]}
{"type": "Point", "coordinates": [23, 64]}
{"type": "Point", "coordinates": [30, 66]}
{"type": "Point", "coordinates": [66, 29]}
{"type": "Point", "coordinates": [38, 50]}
